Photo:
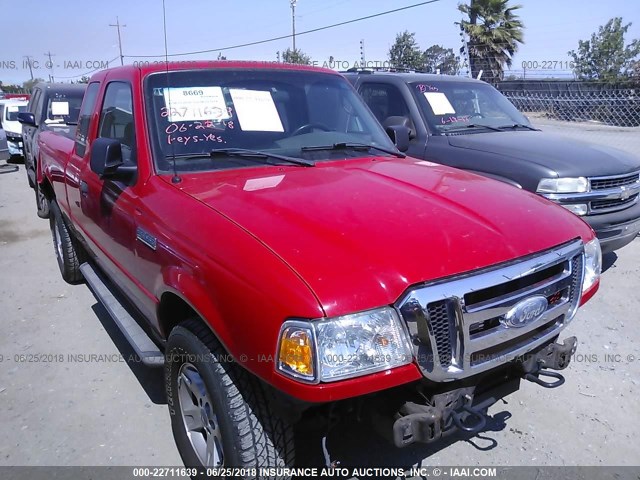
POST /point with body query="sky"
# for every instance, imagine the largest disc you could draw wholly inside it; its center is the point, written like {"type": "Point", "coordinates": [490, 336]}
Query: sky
{"type": "Point", "coordinates": [78, 35]}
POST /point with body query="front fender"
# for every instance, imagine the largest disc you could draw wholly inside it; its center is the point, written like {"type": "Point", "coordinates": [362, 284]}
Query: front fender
{"type": "Point", "coordinates": [182, 283]}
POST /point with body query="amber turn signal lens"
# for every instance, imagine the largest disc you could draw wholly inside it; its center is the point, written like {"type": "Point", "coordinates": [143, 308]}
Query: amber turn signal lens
{"type": "Point", "coordinates": [296, 352]}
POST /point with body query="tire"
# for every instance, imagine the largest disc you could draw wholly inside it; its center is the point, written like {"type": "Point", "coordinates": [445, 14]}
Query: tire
{"type": "Point", "coordinates": [64, 246]}
{"type": "Point", "coordinates": [242, 429]}
{"type": "Point", "coordinates": [42, 202]}
{"type": "Point", "coordinates": [26, 169]}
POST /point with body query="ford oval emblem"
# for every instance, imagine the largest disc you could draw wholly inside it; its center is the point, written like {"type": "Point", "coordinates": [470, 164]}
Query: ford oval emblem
{"type": "Point", "coordinates": [525, 312]}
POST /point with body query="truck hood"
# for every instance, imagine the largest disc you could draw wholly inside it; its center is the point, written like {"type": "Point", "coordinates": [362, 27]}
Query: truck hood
{"type": "Point", "coordinates": [359, 232]}
{"type": "Point", "coordinates": [568, 158]}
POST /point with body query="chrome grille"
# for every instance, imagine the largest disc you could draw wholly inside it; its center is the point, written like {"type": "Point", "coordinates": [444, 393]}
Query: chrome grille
{"type": "Point", "coordinates": [439, 322]}
{"type": "Point", "coordinates": [603, 183]}
{"type": "Point", "coordinates": [458, 325]}
{"type": "Point", "coordinates": [608, 204]}
{"type": "Point", "coordinates": [604, 195]}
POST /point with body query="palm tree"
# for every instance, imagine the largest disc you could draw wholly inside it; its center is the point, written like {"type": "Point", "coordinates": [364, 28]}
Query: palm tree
{"type": "Point", "coordinates": [494, 34]}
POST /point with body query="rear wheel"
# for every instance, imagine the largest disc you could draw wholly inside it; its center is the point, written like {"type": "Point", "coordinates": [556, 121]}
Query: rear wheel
{"type": "Point", "coordinates": [42, 202]}
{"type": "Point", "coordinates": [220, 414]}
{"type": "Point", "coordinates": [64, 246]}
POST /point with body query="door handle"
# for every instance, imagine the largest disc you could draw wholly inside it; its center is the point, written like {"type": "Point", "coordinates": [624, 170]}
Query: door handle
{"type": "Point", "coordinates": [84, 188]}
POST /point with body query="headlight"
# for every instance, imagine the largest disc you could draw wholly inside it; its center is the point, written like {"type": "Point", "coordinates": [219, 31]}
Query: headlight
{"type": "Point", "coordinates": [344, 347]}
{"type": "Point", "coordinates": [592, 264]}
{"type": "Point", "coordinates": [563, 185]}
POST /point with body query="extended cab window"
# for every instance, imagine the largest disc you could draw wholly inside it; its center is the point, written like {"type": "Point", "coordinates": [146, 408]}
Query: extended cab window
{"type": "Point", "coordinates": [85, 118]}
{"type": "Point", "coordinates": [116, 119]}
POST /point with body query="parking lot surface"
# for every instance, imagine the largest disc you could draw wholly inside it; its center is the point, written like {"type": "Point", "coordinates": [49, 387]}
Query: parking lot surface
{"type": "Point", "coordinates": [69, 397]}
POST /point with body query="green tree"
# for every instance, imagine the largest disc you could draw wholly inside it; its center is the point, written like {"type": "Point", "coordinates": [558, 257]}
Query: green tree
{"type": "Point", "coordinates": [605, 56]}
{"type": "Point", "coordinates": [28, 84]}
{"type": "Point", "coordinates": [296, 56]}
{"type": "Point", "coordinates": [11, 88]}
{"type": "Point", "coordinates": [405, 52]}
{"type": "Point", "coordinates": [436, 57]}
{"type": "Point", "coordinates": [495, 32]}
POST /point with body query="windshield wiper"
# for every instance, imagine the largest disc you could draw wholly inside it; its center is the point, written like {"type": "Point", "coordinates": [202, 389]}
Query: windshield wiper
{"type": "Point", "coordinates": [519, 125]}
{"type": "Point", "coordinates": [353, 146]}
{"type": "Point", "coordinates": [473, 125]}
{"type": "Point", "coordinates": [254, 155]}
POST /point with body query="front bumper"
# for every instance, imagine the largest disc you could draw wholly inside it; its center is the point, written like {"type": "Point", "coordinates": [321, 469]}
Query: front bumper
{"type": "Point", "coordinates": [618, 236]}
{"type": "Point", "coordinates": [465, 408]}
{"type": "Point", "coordinates": [15, 147]}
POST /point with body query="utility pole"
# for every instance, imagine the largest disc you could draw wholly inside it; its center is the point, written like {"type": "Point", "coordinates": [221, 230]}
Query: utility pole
{"type": "Point", "coordinates": [293, 22]}
{"type": "Point", "coordinates": [50, 65]}
{"type": "Point", "coordinates": [117, 25]}
{"type": "Point", "coordinates": [29, 64]}
{"type": "Point", "coordinates": [362, 57]}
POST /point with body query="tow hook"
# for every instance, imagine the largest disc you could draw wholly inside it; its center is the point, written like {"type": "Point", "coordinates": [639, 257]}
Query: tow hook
{"type": "Point", "coordinates": [552, 357]}
{"type": "Point", "coordinates": [481, 419]}
{"type": "Point", "coordinates": [427, 423]}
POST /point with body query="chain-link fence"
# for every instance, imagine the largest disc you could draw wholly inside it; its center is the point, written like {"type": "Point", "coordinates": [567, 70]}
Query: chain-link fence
{"type": "Point", "coordinates": [620, 108]}
{"type": "Point", "coordinates": [609, 115]}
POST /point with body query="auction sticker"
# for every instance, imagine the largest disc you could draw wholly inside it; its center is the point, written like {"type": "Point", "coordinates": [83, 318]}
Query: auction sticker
{"type": "Point", "coordinates": [195, 103]}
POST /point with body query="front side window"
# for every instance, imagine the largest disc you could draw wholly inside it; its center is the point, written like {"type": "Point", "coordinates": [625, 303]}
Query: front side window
{"type": "Point", "coordinates": [384, 101]}
{"type": "Point", "coordinates": [116, 119]}
{"type": "Point", "coordinates": [283, 112]}
{"type": "Point", "coordinates": [452, 105]}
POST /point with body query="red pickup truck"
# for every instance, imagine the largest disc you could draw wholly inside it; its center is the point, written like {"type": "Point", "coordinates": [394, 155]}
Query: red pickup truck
{"type": "Point", "coordinates": [254, 230]}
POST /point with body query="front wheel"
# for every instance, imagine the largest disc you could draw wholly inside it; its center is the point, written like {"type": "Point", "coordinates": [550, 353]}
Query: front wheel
{"type": "Point", "coordinates": [220, 414]}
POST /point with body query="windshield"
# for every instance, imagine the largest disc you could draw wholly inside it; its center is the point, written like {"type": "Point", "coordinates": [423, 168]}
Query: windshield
{"type": "Point", "coordinates": [281, 112]}
{"type": "Point", "coordinates": [455, 105]}
{"type": "Point", "coordinates": [64, 107]}
{"type": "Point", "coordinates": [13, 110]}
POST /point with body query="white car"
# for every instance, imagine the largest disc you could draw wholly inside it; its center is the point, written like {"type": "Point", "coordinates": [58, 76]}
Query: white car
{"type": "Point", "coordinates": [9, 110]}
{"type": "Point", "coordinates": [4, 151]}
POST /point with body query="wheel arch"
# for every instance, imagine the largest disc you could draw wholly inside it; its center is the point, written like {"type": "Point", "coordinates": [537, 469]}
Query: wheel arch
{"type": "Point", "coordinates": [184, 298]}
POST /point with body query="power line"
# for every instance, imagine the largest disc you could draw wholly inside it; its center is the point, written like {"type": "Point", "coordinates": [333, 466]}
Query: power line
{"type": "Point", "coordinates": [283, 37]}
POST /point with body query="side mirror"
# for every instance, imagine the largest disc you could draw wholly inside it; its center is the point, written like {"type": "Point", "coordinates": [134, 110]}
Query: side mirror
{"type": "Point", "coordinates": [106, 156]}
{"type": "Point", "coordinates": [400, 120]}
{"type": "Point", "coordinates": [400, 136]}
{"type": "Point", "coordinates": [26, 118]}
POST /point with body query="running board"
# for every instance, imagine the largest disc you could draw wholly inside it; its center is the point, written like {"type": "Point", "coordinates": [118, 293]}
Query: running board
{"type": "Point", "coordinates": [144, 347]}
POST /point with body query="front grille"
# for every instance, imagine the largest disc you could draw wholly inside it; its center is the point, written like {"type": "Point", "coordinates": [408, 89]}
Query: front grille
{"type": "Point", "coordinates": [617, 202]}
{"type": "Point", "coordinates": [439, 320]}
{"type": "Point", "coordinates": [604, 183]}
{"type": "Point", "coordinates": [461, 321]}
{"type": "Point", "coordinates": [495, 352]}
{"type": "Point", "coordinates": [576, 279]}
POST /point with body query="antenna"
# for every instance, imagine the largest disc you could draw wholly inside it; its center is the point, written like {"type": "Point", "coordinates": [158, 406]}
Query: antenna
{"type": "Point", "coordinates": [176, 178]}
